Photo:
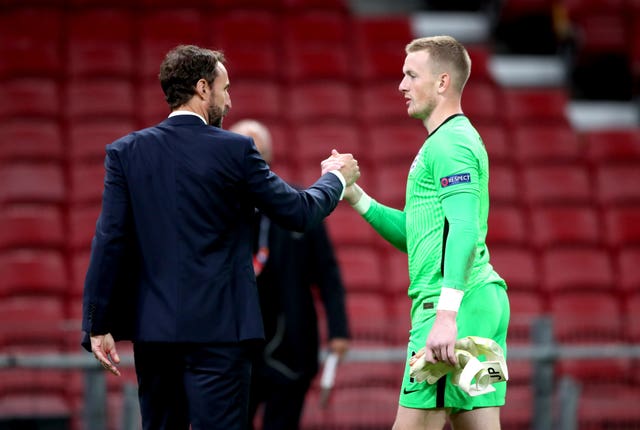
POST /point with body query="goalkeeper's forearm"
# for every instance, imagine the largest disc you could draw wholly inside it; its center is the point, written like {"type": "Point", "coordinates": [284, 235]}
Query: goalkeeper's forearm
{"type": "Point", "coordinates": [388, 222]}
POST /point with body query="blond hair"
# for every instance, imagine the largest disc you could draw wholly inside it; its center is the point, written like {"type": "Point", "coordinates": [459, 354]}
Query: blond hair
{"type": "Point", "coordinates": [447, 55]}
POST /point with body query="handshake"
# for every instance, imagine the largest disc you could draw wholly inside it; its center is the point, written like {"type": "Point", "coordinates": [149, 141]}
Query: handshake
{"type": "Point", "coordinates": [345, 164]}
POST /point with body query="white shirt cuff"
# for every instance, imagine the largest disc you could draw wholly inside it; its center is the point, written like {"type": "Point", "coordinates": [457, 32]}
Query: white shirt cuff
{"type": "Point", "coordinates": [363, 204]}
{"type": "Point", "coordinates": [342, 180]}
{"type": "Point", "coordinates": [450, 299]}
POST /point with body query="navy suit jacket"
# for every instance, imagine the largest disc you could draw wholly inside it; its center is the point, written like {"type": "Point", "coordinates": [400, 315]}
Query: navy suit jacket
{"type": "Point", "coordinates": [171, 259]}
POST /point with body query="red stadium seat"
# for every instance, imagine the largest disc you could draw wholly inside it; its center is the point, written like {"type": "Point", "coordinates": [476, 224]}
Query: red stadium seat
{"type": "Point", "coordinates": [316, 27]}
{"type": "Point", "coordinates": [316, 46]}
{"type": "Point", "coordinates": [587, 316]}
{"type": "Point", "coordinates": [504, 184]}
{"type": "Point", "coordinates": [506, 226]}
{"type": "Point", "coordinates": [622, 225]}
{"type": "Point", "coordinates": [517, 266]}
{"type": "Point", "coordinates": [380, 46]}
{"type": "Point", "coordinates": [383, 374]}
{"type": "Point", "coordinates": [100, 99]}
{"type": "Point", "coordinates": [400, 317]}
{"type": "Point", "coordinates": [601, 33]}
{"type": "Point", "coordinates": [32, 183]}
{"type": "Point", "coordinates": [526, 306]}
{"type": "Point", "coordinates": [88, 139]}
{"type": "Point", "coordinates": [546, 143]}
{"type": "Point", "coordinates": [565, 225]}
{"type": "Point", "coordinates": [609, 407]}
{"type": "Point", "coordinates": [341, 6]}
{"type": "Point", "coordinates": [156, 108]}
{"type": "Point", "coordinates": [576, 8]}
{"type": "Point", "coordinates": [389, 143]}
{"type": "Point", "coordinates": [87, 184]}
{"type": "Point", "coordinates": [100, 42]}
{"type": "Point", "coordinates": [628, 270]}
{"type": "Point", "coordinates": [360, 268]}
{"type": "Point", "coordinates": [258, 99]}
{"type": "Point", "coordinates": [497, 143]}
{"type": "Point", "coordinates": [79, 265]}
{"type": "Point", "coordinates": [480, 102]}
{"type": "Point", "coordinates": [517, 414]}
{"type": "Point", "coordinates": [589, 371]}
{"type": "Point", "coordinates": [346, 227]}
{"type": "Point", "coordinates": [249, 54]}
{"type": "Point", "coordinates": [632, 316]}
{"type": "Point", "coordinates": [480, 55]}
{"type": "Point", "coordinates": [382, 102]}
{"type": "Point", "coordinates": [390, 184]}
{"type": "Point", "coordinates": [317, 62]}
{"type": "Point", "coordinates": [17, 45]}
{"type": "Point", "coordinates": [162, 30]}
{"type": "Point", "coordinates": [315, 101]}
{"type": "Point", "coordinates": [31, 381]}
{"type": "Point", "coordinates": [274, 5]}
{"type": "Point", "coordinates": [522, 105]}
{"type": "Point", "coordinates": [615, 145]}
{"type": "Point", "coordinates": [396, 273]}
{"type": "Point", "coordinates": [373, 408]}
{"type": "Point", "coordinates": [577, 269]}
{"type": "Point", "coordinates": [82, 226]}
{"type": "Point", "coordinates": [28, 271]}
{"type": "Point", "coordinates": [556, 184]}
{"type": "Point", "coordinates": [35, 226]}
{"type": "Point", "coordinates": [368, 317]}
{"type": "Point", "coordinates": [50, 407]}
{"type": "Point", "coordinates": [27, 139]}
{"type": "Point", "coordinates": [618, 184]}
{"type": "Point", "coordinates": [30, 98]}
{"type": "Point", "coordinates": [32, 321]}
{"type": "Point", "coordinates": [314, 141]}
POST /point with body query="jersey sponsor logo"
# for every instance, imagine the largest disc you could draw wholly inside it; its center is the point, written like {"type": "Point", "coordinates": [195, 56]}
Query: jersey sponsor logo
{"type": "Point", "coordinates": [460, 178]}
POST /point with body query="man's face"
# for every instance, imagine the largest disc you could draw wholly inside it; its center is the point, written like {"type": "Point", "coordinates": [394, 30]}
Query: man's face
{"type": "Point", "coordinates": [419, 85]}
{"type": "Point", "coordinates": [219, 98]}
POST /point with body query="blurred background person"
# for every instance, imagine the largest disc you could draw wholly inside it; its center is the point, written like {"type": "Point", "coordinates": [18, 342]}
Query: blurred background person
{"type": "Point", "coordinates": [287, 265]}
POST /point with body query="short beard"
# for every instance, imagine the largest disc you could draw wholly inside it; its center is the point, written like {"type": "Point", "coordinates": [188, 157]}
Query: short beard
{"type": "Point", "coordinates": [216, 115]}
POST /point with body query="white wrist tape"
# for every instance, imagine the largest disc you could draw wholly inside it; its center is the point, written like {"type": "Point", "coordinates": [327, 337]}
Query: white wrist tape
{"type": "Point", "coordinates": [363, 204]}
{"type": "Point", "coordinates": [450, 299]}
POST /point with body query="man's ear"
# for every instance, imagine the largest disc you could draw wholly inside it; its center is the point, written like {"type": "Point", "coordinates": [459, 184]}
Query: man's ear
{"type": "Point", "coordinates": [202, 87]}
{"type": "Point", "coordinates": [444, 80]}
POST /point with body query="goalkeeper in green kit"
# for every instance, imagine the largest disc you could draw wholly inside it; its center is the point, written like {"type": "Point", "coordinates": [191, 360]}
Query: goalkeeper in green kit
{"type": "Point", "coordinates": [454, 290]}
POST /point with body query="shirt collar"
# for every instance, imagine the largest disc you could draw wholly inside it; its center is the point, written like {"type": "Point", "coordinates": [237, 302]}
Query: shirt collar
{"type": "Point", "coordinates": [187, 112]}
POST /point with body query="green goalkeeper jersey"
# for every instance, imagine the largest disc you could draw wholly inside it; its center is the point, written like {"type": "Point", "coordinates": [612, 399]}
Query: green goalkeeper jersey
{"type": "Point", "coordinates": [452, 160]}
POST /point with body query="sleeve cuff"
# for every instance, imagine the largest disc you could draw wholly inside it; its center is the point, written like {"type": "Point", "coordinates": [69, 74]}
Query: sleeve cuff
{"type": "Point", "coordinates": [450, 299]}
{"type": "Point", "coordinates": [342, 181]}
{"type": "Point", "coordinates": [363, 204]}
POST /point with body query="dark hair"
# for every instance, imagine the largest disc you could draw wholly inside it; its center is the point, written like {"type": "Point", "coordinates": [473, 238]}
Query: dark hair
{"type": "Point", "coordinates": [181, 70]}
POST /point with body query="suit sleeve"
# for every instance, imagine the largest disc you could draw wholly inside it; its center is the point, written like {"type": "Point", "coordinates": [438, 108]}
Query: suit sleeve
{"type": "Point", "coordinates": [298, 210]}
{"type": "Point", "coordinates": [326, 275]}
{"type": "Point", "coordinates": [108, 247]}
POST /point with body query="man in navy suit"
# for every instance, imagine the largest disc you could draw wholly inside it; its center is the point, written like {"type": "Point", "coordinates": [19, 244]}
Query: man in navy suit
{"type": "Point", "coordinates": [171, 259]}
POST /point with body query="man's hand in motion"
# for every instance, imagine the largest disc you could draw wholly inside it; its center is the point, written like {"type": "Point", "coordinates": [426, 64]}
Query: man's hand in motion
{"type": "Point", "coordinates": [104, 349]}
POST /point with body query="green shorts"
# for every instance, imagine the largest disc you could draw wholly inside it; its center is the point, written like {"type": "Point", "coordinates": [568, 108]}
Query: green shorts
{"type": "Point", "coordinates": [484, 312]}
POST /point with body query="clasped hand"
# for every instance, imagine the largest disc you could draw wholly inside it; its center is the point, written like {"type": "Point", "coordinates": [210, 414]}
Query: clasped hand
{"type": "Point", "coordinates": [345, 163]}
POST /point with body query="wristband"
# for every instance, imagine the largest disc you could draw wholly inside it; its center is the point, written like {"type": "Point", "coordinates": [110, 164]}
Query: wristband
{"type": "Point", "coordinates": [450, 299]}
{"type": "Point", "coordinates": [363, 204]}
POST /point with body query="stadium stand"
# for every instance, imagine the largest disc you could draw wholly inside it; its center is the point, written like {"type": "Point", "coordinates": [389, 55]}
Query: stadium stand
{"type": "Point", "coordinates": [565, 203]}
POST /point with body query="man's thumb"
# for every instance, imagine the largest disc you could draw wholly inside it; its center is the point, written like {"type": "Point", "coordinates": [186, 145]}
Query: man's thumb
{"type": "Point", "coordinates": [334, 152]}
